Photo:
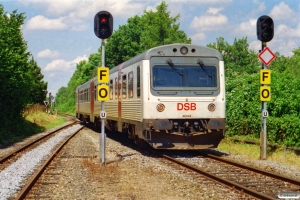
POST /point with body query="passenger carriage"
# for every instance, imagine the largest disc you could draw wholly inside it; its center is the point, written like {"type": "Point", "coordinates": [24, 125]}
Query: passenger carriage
{"type": "Point", "coordinates": [171, 96]}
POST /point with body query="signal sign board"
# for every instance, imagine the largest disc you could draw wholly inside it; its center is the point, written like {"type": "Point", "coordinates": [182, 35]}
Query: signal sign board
{"type": "Point", "coordinates": [265, 76]}
{"type": "Point", "coordinates": [103, 74]}
{"type": "Point", "coordinates": [103, 91]}
{"type": "Point", "coordinates": [46, 103]}
{"type": "Point", "coordinates": [266, 56]}
{"type": "Point", "coordinates": [265, 93]}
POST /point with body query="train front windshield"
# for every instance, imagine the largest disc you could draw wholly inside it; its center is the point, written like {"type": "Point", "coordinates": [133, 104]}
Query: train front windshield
{"type": "Point", "coordinates": [189, 77]}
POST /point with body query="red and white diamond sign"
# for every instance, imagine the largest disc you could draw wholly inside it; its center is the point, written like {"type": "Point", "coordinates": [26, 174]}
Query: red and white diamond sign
{"type": "Point", "coordinates": [266, 56]}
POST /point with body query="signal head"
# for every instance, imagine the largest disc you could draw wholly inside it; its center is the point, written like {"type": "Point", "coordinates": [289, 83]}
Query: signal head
{"type": "Point", "coordinates": [103, 24]}
{"type": "Point", "coordinates": [265, 28]}
{"type": "Point", "coordinates": [103, 20]}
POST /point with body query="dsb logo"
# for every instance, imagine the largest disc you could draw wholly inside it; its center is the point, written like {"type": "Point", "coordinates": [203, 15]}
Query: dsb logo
{"type": "Point", "coordinates": [186, 106]}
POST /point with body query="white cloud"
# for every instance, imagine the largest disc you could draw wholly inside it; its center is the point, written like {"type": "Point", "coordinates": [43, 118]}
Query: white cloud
{"type": "Point", "coordinates": [53, 7]}
{"type": "Point", "coordinates": [62, 65]}
{"type": "Point", "coordinates": [77, 14]}
{"type": "Point", "coordinates": [85, 9]}
{"type": "Point", "coordinates": [209, 22]}
{"type": "Point", "coordinates": [205, 2]}
{"type": "Point", "coordinates": [246, 28]}
{"type": "Point", "coordinates": [287, 32]}
{"type": "Point", "coordinates": [214, 11]}
{"type": "Point", "coordinates": [261, 7]}
{"type": "Point", "coordinates": [282, 12]}
{"type": "Point", "coordinates": [58, 65]}
{"type": "Point", "coordinates": [42, 23]}
{"type": "Point", "coordinates": [255, 45]}
{"type": "Point", "coordinates": [198, 37]}
{"type": "Point", "coordinates": [47, 53]}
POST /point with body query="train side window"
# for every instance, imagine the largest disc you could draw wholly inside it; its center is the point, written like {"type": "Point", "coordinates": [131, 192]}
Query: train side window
{"type": "Point", "coordinates": [88, 94]}
{"type": "Point", "coordinates": [138, 82]}
{"type": "Point", "coordinates": [130, 84]}
{"type": "Point", "coordinates": [116, 88]}
{"type": "Point", "coordinates": [111, 92]}
{"type": "Point", "coordinates": [124, 86]}
{"type": "Point", "coordinates": [83, 96]}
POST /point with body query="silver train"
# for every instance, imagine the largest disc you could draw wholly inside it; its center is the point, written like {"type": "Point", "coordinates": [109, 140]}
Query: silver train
{"type": "Point", "coordinates": [171, 97]}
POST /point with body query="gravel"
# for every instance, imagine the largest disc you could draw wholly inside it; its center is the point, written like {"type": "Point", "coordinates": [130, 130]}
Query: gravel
{"type": "Point", "coordinates": [78, 174]}
{"type": "Point", "coordinates": [12, 177]}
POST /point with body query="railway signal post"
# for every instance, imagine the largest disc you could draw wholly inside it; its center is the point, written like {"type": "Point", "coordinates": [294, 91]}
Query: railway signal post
{"type": "Point", "coordinates": [265, 33]}
{"type": "Point", "coordinates": [103, 28]}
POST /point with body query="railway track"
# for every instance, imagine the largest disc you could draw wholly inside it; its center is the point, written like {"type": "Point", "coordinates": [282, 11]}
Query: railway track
{"type": "Point", "coordinates": [252, 181]}
{"type": "Point", "coordinates": [32, 181]}
{"type": "Point", "coordinates": [32, 143]}
{"type": "Point", "coordinates": [16, 169]}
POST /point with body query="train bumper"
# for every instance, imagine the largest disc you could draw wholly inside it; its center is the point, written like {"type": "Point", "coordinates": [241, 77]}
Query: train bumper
{"type": "Point", "coordinates": [160, 140]}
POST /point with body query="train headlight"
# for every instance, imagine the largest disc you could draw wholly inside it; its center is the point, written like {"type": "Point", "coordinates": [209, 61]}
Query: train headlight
{"type": "Point", "coordinates": [211, 107]}
{"type": "Point", "coordinates": [160, 107]}
{"type": "Point", "coordinates": [196, 123]}
{"type": "Point", "coordinates": [175, 123]}
{"type": "Point", "coordinates": [184, 50]}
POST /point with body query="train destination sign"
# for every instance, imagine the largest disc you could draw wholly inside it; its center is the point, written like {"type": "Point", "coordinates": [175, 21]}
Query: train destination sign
{"type": "Point", "coordinates": [266, 56]}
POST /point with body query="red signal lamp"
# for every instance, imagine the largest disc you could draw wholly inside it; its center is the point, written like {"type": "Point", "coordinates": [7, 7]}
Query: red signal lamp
{"type": "Point", "coordinates": [103, 20]}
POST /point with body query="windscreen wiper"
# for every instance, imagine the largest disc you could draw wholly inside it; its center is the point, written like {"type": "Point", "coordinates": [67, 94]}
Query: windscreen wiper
{"type": "Point", "coordinates": [169, 61]}
{"type": "Point", "coordinates": [200, 62]}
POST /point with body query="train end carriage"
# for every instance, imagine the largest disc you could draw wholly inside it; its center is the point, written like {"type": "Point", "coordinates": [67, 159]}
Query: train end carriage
{"type": "Point", "coordinates": [171, 96]}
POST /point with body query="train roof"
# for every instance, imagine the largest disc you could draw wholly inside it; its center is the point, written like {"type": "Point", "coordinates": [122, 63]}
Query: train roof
{"type": "Point", "coordinates": [167, 50]}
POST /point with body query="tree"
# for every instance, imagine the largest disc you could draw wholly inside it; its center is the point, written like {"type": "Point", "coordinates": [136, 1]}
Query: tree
{"type": "Point", "coordinates": [238, 58]}
{"type": "Point", "coordinates": [85, 70]}
{"type": "Point", "coordinates": [15, 82]}
{"type": "Point", "coordinates": [159, 28]}
{"type": "Point", "coordinates": [141, 33]}
{"type": "Point", "coordinates": [38, 89]}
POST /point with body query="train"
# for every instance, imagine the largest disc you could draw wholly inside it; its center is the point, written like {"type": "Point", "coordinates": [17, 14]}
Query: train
{"type": "Point", "coordinates": [170, 97]}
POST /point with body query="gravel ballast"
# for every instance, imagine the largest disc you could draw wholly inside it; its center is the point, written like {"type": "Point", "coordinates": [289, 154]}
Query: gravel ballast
{"type": "Point", "coordinates": [130, 174]}
{"type": "Point", "coordinates": [12, 177]}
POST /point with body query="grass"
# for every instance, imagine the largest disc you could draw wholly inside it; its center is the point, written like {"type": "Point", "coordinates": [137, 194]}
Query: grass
{"type": "Point", "coordinates": [289, 158]}
{"type": "Point", "coordinates": [35, 120]}
{"type": "Point", "coordinates": [37, 116]}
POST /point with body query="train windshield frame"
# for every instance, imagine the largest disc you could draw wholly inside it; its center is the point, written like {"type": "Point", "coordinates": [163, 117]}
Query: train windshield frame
{"type": "Point", "coordinates": [184, 77]}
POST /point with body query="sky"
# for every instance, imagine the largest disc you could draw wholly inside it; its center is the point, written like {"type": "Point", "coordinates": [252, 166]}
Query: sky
{"type": "Point", "coordinates": [60, 33]}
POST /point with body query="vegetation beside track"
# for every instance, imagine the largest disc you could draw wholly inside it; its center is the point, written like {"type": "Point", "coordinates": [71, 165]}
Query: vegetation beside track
{"type": "Point", "coordinates": [21, 80]}
{"type": "Point", "coordinates": [34, 120]}
{"type": "Point", "coordinates": [252, 152]}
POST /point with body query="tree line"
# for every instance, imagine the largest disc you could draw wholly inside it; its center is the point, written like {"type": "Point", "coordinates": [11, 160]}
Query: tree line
{"type": "Point", "coordinates": [21, 80]}
{"type": "Point", "coordinates": [242, 71]}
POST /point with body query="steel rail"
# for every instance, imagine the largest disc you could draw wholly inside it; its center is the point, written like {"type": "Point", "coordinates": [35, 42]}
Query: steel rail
{"type": "Point", "coordinates": [237, 186]}
{"type": "Point", "coordinates": [30, 183]}
{"type": "Point", "coordinates": [257, 170]}
{"type": "Point", "coordinates": [12, 154]}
